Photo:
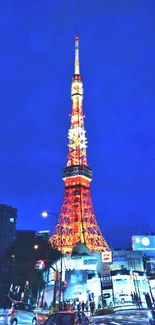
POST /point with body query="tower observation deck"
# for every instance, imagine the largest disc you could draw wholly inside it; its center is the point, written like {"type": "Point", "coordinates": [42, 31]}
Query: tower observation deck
{"type": "Point", "coordinates": [77, 221]}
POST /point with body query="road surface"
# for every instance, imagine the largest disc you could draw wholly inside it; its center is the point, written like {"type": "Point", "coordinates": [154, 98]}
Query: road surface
{"type": "Point", "coordinates": [130, 317]}
{"type": "Point", "coordinates": [124, 317]}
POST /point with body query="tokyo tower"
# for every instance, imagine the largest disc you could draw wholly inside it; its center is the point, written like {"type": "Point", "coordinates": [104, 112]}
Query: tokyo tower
{"type": "Point", "coordinates": [77, 222]}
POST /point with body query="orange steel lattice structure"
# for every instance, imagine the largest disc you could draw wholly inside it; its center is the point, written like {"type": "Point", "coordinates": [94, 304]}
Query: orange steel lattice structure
{"type": "Point", "coordinates": [77, 222]}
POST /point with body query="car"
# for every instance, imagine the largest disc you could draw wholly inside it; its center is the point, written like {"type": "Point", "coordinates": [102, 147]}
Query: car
{"type": "Point", "coordinates": [151, 316]}
{"type": "Point", "coordinates": [69, 318]}
{"type": "Point", "coordinates": [19, 313]}
{"type": "Point", "coordinates": [124, 298]}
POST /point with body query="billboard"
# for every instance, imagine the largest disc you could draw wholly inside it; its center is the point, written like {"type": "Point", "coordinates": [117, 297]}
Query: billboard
{"type": "Point", "coordinates": [127, 259]}
{"type": "Point", "coordinates": [107, 257]}
{"type": "Point", "coordinates": [120, 258]}
{"type": "Point", "coordinates": [81, 263]}
{"type": "Point", "coordinates": [106, 280]}
{"type": "Point", "coordinates": [143, 243]}
{"type": "Point", "coordinates": [76, 283]}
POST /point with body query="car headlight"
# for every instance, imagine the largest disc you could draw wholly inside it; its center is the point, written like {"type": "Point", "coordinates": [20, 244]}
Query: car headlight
{"type": "Point", "coordinates": [2, 319]}
{"type": "Point", "coordinates": [149, 314]}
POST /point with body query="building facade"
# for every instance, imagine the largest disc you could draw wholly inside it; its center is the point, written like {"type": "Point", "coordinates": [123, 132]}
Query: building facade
{"type": "Point", "coordinates": [87, 278]}
{"type": "Point", "coordinates": [80, 276]}
{"type": "Point", "coordinates": [44, 234]}
{"type": "Point", "coordinates": [8, 217]}
{"type": "Point", "coordinates": [128, 276]}
{"type": "Point", "coordinates": [146, 245]}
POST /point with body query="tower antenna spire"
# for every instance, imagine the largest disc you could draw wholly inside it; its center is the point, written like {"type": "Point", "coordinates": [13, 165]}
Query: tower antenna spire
{"type": "Point", "coordinates": [77, 62]}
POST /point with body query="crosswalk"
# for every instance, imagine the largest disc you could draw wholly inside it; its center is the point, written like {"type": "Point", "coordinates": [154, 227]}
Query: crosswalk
{"type": "Point", "coordinates": [123, 318]}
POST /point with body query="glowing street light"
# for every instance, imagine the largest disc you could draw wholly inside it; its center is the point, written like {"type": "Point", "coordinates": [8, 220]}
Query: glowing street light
{"type": "Point", "coordinates": [44, 214]}
{"type": "Point", "coordinates": [36, 247]}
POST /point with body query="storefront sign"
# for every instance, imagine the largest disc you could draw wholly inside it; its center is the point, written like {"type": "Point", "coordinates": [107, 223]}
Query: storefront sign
{"type": "Point", "coordinates": [106, 280]}
{"type": "Point", "coordinates": [119, 258]}
{"type": "Point", "coordinates": [92, 261]}
{"type": "Point", "coordinates": [106, 295]}
{"type": "Point", "coordinates": [107, 257]}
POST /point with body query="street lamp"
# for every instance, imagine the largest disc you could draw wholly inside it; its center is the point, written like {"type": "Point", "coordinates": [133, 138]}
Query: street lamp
{"type": "Point", "coordinates": [45, 214]}
{"type": "Point", "coordinates": [35, 247]}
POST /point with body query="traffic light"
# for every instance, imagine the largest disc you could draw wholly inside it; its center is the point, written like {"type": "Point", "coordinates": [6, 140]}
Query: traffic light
{"type": "Point", "coordinates": [56, 275]}
{"type": "Point", "coordinates": [40, 265]}
{"type": "Point", "coordinates": [63, 285]}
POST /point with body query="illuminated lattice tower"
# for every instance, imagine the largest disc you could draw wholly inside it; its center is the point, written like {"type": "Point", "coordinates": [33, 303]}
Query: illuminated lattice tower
{"type": "Point", "coordinates": [77, 222]}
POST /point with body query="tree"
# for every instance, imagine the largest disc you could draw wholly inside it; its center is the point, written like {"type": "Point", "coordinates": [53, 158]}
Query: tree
{"type": "Point", "coordinates": [20, 261]}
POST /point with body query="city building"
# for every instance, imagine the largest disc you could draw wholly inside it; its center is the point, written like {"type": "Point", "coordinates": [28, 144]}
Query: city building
{"type": "Point", "coordinates": [128, 276]}
{"type": "Point", "coordinates": [25, 236]}
{"type": "Point", "coordinates": [120, 281]}
{"type": "Point", "coordinates": [44, 234]}
{"type": "Point", "coordinates": [8, 217]}
{"type": "Point", "coordinates": [81, 278]}
{"type": "Point", "coordinates": [146, 245]}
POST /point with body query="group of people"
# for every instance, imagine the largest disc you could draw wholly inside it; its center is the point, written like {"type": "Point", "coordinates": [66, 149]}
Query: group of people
{"type": "Point", "coordinates": [136, 299]}
{"type": "Point", "coordinates": [86, 306]}
{"type": "Point", "coordinates": [80, 306]}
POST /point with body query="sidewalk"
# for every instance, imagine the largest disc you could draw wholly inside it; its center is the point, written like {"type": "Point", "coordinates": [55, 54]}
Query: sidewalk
{"type": "Point", "coordinates": [129, 307]}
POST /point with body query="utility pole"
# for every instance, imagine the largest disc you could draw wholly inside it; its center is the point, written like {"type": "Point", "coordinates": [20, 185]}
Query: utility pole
{"type": "Point", "coordinates": [60, 287]}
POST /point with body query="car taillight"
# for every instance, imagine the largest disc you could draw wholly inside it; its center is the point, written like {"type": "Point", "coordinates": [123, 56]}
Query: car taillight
{"type": "Point", "coordinates": [10, 313]}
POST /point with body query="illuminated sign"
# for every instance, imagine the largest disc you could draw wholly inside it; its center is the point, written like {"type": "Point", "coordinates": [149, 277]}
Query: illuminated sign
{"type": "Point", "coordinates": [91, 261]}
{"type": "Point", "coordinates": [40, 265]}
{"type": "Point", "coordinates": [107, 257]}
{"type": "Point", "coordinates": [119, 258]}
{"type": "Point", "coordinates": [76, 283]}
{"type": "Point", "coordinates": [106, 295]}
{"type": "Point", "coordinates": [43, 231]}
{"type": "Point", "coordinates": [143, 243]}
{"type": "Point", "coordinates": [106, 279]}
{"type": "Point", "coordinates": [78, 263]}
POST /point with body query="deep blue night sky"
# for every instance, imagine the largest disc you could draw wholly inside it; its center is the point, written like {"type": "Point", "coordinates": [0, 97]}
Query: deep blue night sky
{"type": "Point", "coordinates": [117, 54]}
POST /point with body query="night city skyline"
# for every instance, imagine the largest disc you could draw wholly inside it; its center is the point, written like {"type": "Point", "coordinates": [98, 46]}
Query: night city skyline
{"type": "Point", "coordinates": [117, 50]}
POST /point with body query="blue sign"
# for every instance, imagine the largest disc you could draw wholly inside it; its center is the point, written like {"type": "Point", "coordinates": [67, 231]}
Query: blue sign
{"type": "Point", "coordinates": [119, 258]}
{"type": "Point", "coordinates": [90, 262]}
{"type": "Point", "coordinates": [106, 280]}
{"type": "Point", "coordinates": [143, 243]}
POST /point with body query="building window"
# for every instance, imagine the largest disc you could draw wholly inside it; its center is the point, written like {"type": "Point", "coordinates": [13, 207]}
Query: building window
{"type": "Point", "coordinates": [12, 220]}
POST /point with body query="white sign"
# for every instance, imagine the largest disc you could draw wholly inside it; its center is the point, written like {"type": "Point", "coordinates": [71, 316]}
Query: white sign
{"type": "Point", "coordinates": [107, 257]}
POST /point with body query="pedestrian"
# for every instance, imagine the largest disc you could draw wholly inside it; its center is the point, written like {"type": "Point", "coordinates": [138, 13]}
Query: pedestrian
{"type": "Point", "coordinates": [92, 307]}
{"type": "Point", "coordinates": [87, 306]}
{"type": "Point", "coordinates": [83, 305]}
{"type": "Point", "coordinates": [65, 305]}
{"type": "Point", "coordinates": [79, 306]}
{"type": "Point", "coordinates": [140, 302]}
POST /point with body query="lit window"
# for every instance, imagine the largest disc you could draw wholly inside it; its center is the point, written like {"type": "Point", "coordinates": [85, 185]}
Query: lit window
{"type": "Point", "coordinates": [12, 220]}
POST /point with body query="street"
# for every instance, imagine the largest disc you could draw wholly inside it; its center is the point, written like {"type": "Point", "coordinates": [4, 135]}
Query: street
{"type": "Point", "coordinates": [129, 317]}
{"type": "Point", "coordinates": [123, 317]}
